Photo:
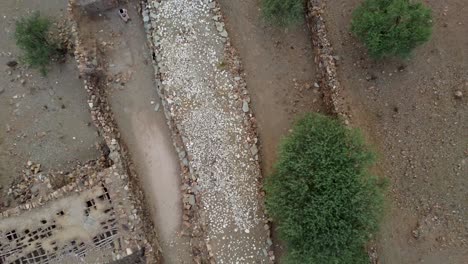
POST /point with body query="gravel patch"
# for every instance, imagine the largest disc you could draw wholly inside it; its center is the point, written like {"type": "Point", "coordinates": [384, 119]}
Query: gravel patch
{"type": "Point", "coordinates": [209, 105]}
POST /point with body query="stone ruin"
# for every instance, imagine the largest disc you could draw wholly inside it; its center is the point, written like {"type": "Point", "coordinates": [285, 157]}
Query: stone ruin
{"type": "Point", "coordinates": [97, 218]}
{"type": "Point", "coordinates": [91, 221]}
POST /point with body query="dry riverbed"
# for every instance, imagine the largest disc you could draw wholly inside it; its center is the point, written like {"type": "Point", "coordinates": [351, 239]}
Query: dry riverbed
{"type": "Point", "coordinates": [209, 103]}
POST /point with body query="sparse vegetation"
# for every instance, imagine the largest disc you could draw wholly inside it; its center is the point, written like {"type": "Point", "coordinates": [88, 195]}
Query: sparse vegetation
{"type": "Point", "coordinates": [321, 195]}
{"type": "Point", "coordinates": [391, 27]}
{"type": "Point", "coordinates": [283, 12]}
{"type": "Point", "coordinates": [33, 37]}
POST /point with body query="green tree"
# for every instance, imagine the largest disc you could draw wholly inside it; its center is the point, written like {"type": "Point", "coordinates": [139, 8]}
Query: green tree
{"type": "Point", "coordinates": [283, 12]}
{"type": "Point", "coordinates": [391, 27]}
{"type": "Point", "coordinates": [33, 37]}
{"type": "Point", "coordinates": [324, 201]}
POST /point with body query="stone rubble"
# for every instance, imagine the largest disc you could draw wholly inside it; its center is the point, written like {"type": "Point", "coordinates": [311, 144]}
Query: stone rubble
{"type": "Point", "coordinates": [207, 107]}
{"type": "Point", "coordinates": [325, 60]}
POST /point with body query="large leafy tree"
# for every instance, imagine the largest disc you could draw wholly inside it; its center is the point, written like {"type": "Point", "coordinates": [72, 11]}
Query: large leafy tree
{"type": "Point", "coordinates": [324, 201]}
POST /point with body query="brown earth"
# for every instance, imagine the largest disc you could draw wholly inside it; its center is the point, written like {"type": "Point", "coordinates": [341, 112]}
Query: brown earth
{"type": "Point", "coordinates": [280, 75]}
{"type": "Point", "coordinates": [409, 111]}
{"type": "Point", "coordinates": [42, 119]}
{"type": "Point", "coordinates": [279, 70]}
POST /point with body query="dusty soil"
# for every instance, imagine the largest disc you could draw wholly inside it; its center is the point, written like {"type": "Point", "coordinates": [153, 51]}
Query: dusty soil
{"type": "Point", "coordinates": [280, 72]}
{"type": "Point", "coordinates": [280, 76]}
{"type": "Point", "coordinates": [42, 119]}
{"type": "Point", "coordinates": [133, 97]}
{"type": "Point", "coordinates": [409, 111]}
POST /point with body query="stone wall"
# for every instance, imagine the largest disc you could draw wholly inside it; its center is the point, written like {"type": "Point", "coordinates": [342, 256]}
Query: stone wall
{"type": "Point", "coordinates": [91, 71]}
{"type": "Point", "coordinates": [325, 60]}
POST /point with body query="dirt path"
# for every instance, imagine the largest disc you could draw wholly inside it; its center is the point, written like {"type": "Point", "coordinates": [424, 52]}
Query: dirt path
{"type": "Point", "coordinates": [42, 119]}
{"type": "Point", "coordinates": [280, 72]}
{"type": "Point", "coordinates": [133, 98]}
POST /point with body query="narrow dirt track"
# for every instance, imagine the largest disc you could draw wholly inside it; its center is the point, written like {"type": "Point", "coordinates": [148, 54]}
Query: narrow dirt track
{"type": "Point", "coordinates": [280, 72]}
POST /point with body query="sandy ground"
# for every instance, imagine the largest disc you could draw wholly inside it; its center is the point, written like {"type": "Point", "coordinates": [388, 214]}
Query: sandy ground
{"type": "Point", "coordinates": [280, 75]}
{"type": "Point", "coordinates": [133, 97]}
{"type": "Point", "coordinates": [45, 119]}
{"type": "Point", "coordinates": [409, 111]}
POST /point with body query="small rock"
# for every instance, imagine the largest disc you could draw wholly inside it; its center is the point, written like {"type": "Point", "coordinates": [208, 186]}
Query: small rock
{"type": "Point", "coordinates": [269, 242]}
{"type": "Point", "coordinates": [219, 26]}
{"type": "Point", "coordinates": [129, 251]}
{"type": "Point", "coordinates": [191, 200]}
{"type": "Point", "coordinates": [458, 94]}
{"type": "Point", "coordinates": [156, 107]}
{"type": "Point", "coordinates": [247, 231]}
{"type": "Point", "coordinates": [182, 154]}
{"type": "Point", "coordinates": [224, 34]}
{"type": "Point", "coordinates": [2, 90]}
{"type": "Point", "coordinates": [146, 18]}
{"type": "Point", "coordinates": [245, 106]}
{"type": "Point", "coordinates": [254, 150]}
{"type": "Point", "coordinates": [12, 63]}
{"type": "Point", "coordinates": [316, 85]}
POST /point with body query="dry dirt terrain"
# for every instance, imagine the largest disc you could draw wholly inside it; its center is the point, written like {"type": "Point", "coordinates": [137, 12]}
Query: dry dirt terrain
{"type": "Point", "coordinates": [413, 113]}
{"type": "Point", "coordinates": [280, 75]}
{"type": "Point", "coordinates": [279, 71]}
{"type": "Point", "coordinates": [42, 119]}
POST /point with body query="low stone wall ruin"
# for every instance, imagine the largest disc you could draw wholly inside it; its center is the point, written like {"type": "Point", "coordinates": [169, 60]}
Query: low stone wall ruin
{"type": "Point", "coordinates": [325, 60]}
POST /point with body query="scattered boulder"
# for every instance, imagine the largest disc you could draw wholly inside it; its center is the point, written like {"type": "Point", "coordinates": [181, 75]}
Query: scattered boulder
{"type": "Point", "coordinates": [245, 106]}
{"type": "Point", "coordinates": [12, 63]}
{"type": "Point", "coordinates": [458, 94]}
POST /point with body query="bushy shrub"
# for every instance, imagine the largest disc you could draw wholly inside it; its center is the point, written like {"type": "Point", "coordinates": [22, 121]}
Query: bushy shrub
{"type": "Point", "coordinates": [283, 12]}
{"type": "Point", "coordinates": [324, 201]}
{"type": "Point", "coordinates": [33, 37]}
{"type": "Point", "coordinates": [391, 27]}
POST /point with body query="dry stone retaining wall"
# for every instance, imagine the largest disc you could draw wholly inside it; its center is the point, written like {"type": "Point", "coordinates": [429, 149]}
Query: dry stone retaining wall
{"type": "Point", "coordinates": [325, 60]}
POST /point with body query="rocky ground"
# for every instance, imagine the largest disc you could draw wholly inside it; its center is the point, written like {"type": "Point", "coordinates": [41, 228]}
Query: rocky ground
{"type": "Point", "coordinates": [207, 99]}
{"type": "Point", "coordinates": [415, 112]}
{"type": "Point", "coordinates": [43, 120]}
